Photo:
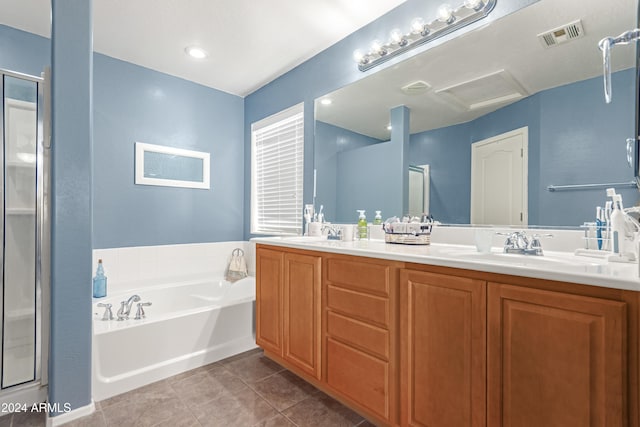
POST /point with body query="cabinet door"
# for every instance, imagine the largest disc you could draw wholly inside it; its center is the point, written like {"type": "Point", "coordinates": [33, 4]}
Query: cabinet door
{"type": "Point", "coordinates": [443, 343]}
{"type": "Point", "coordinates": [269, 300]}
{"type": "Point", "coordinates": [302, 312]}
{"type": "Point", "coordinates": [555, 359]}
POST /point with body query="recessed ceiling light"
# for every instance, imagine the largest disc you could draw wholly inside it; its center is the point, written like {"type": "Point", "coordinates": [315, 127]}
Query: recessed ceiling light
{"type": "Point", "coordinates": [326, 101]}
{"type": "Point", "coordinates": [196, 52]}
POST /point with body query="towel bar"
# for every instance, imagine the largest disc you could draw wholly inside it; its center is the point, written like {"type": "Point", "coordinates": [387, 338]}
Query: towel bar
{"type": "Point", "coordinates": [591, 186]}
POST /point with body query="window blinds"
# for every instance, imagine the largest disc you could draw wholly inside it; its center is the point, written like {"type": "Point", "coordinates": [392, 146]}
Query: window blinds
{"type": "Point", "coordinates": [277, 173]}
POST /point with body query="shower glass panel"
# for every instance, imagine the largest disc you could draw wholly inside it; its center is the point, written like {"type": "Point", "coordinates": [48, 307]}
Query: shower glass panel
{"type": "Point", "coordinates": [19, 250]}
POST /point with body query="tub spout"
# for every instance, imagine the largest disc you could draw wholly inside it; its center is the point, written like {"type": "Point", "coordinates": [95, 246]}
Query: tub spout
{"type": "Point", "coordinates": [125, 307]}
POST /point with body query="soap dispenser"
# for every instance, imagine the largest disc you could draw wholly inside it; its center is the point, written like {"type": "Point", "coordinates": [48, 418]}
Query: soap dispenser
{"type": "Point", "coordinates": [377, 220]}
{"type": "Point", "coordinates": [362, 225]}
{"type": "Point", "coordinates": [99, 282]}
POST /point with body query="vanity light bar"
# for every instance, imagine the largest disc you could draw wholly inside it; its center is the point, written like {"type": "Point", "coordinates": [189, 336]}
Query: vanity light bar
{"type": "Point", "coordinates": [448, 20]}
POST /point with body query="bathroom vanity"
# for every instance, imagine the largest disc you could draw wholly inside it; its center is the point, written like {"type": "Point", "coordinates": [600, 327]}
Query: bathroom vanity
{"type": "Point", "coordinates": [441, 335]}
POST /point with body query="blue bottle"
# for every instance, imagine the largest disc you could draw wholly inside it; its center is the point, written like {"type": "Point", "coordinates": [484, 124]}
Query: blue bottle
{"type": "Point", "coordinates": [99, 282]}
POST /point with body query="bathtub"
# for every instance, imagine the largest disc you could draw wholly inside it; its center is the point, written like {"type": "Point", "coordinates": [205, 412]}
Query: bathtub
{"type": "Point", "coordinates": [189, 324]}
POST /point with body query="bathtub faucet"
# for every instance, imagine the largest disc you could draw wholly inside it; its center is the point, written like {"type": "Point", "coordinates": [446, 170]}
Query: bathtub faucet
{"type": "Point", "coordinates": [125, 307]}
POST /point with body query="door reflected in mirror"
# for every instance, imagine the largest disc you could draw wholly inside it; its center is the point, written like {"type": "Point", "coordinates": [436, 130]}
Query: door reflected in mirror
{"type": "Point", "coordinates": [418, 190]}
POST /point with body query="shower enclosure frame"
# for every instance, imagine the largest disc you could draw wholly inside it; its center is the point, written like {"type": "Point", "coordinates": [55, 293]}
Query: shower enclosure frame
{"type": "Point", "coordinates": [35, 390]}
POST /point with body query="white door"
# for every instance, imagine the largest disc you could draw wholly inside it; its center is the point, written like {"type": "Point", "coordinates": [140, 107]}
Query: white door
{"type": "Point", "coordinates": [499, 179]}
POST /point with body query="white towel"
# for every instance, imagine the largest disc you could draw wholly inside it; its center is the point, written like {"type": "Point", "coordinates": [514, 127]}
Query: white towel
{"type": "Point", "coordinates": [237, 268]}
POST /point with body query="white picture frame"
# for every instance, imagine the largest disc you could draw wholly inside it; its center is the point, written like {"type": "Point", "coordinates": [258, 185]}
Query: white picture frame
{"type": "Point", "coordinates": [166, 176]}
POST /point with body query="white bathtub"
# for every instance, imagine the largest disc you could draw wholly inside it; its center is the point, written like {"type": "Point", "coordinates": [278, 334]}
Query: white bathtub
{"type": "Point", "coordinates": [189, 324]}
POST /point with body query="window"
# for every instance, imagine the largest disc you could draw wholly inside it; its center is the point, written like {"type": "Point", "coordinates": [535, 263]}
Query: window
{"type": "Point", "coordinates": [277, 154]}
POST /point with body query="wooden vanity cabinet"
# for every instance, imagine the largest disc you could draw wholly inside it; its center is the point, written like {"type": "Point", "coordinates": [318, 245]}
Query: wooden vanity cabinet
{"type": "Point", "coordinates": [360, 350]}
{"type": "Point", "coordinates": [443, 346]}
{"type": "Point", "coordinates": [417, 345]}
{"type": "Point", "coordinates": [269, 299]}
{"type": "Point", "coordinates": [288, 307]}
{"type": "Point", "coordinates": [555, 359]}
{"type": "Point", "coordinates": [477, 352]}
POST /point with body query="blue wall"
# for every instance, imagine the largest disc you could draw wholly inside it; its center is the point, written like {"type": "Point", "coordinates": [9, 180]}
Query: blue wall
{"type": "Point", "coordinates": [441, 148]}
{"type": "Point", "coordinates": [330, 142]}
{"type": "Point", "coordinates": [359, 182]}
{"type": "Point", "coordinates": [23, 52]}
{"type": "Point", "coordinates": [574, 138]}
{"type": "Point", "coordinates": [132, 104]}
{"type": "Point", "coordinates": [71, 146]}
{"type": "Point", "coordinates": [334, 68]}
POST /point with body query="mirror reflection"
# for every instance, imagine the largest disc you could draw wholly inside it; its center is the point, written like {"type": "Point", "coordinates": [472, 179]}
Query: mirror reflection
{"type": "Point", "coordinates": [497, 115]}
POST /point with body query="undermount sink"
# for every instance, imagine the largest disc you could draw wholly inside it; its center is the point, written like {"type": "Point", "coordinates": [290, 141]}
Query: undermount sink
{"type": "Point", "coordinates": [522, 260]}
{"type": "Point", "coordinates": [304, 239]}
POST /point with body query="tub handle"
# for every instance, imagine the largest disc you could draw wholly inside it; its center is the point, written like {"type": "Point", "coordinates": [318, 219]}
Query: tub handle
{"type": "Point", "coordinates": [140, 314]}
{"type": "Point", "coordinates": [108, 314]}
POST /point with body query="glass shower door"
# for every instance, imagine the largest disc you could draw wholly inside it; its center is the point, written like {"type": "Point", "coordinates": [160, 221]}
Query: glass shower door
{"type": "Point", "coordinates": [19, 249]}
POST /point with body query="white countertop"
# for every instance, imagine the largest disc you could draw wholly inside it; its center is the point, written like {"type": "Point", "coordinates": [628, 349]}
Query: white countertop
{"type": "Point", "coordinates": [560, 266]}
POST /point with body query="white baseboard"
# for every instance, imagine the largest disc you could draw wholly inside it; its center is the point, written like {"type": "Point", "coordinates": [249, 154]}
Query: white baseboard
{"type": "Point", "coordinates": [67, 417]}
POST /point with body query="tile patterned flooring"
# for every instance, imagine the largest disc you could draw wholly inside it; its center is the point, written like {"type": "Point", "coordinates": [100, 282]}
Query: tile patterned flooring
{"type": "Point", "coordinates": [244, 390]}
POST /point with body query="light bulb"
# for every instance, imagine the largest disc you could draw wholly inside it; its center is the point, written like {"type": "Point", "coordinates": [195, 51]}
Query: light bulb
{"type": "Point", "coordinates": [445, 13]}
{"type": "Point", "coordinates": [326, 101]}
{"type": "Point", "coordinates": [196, 52]}
{"type": "Point", "coordinates": [388, 127]}
{"type": "Point", "coordinates": [358, 55]}
{"type": "Point", "coordinates": [376, 47]}
{"type": "Point", "coordinates": [473, 4]}
{"type": "Point", "coordinates": [417, 25]}
{"type": "Point", "coordinates": [396, 36]}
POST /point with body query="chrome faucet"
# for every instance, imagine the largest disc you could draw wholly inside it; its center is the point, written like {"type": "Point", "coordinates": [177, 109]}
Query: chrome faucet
{"type": "Point", "coordinates": [333, 232]}
{"type": "Point", "coordinates": [519, 243]}
{"type": "Point", "coordinates": [125, 307]}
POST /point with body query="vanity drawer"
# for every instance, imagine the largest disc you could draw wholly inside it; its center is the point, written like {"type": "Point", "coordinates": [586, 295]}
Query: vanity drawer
{"type": "Point", "coordinates": [362, 378]}
{"type": "Point", "coordinates": [359, 305]}
{"type": "Point", "coordinates": [360, 275]}
{"type": "Point", "coordinates": [359, 334]}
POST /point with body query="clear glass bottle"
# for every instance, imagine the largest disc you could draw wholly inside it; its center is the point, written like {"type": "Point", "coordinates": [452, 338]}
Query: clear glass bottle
{"type": "Point", "coordinates": [99, 282]}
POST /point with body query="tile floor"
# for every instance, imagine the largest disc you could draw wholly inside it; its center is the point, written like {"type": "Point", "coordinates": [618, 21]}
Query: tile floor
{"type": "Point", "coordinates": [243, 390]}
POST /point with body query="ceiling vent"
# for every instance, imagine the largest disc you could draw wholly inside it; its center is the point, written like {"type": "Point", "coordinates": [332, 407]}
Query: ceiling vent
{"type": "Point", "coordinates": [498, 88]}
{"type": "Point", "coordinates": [562, 34]}
{"type": "Point", "coordinates": [416, 88]}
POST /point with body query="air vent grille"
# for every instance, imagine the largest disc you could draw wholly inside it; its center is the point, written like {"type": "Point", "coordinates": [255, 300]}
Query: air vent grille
{"type": "Point", "coordinates": [416, 88]}
{"type": "Point", "coordinates": [562, 34]}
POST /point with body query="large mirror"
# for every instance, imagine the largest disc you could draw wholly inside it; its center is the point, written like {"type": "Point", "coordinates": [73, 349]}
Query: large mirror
{"type": "Point", "coordinates": [528, 86]}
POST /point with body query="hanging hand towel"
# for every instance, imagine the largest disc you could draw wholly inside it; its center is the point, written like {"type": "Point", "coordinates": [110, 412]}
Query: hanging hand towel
{"type": "Point", "coordinates": [237, 268]}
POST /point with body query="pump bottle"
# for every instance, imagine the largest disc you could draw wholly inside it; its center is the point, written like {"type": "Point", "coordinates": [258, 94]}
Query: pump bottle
{"type": "Point", "coordinates": [378, 218]}
{"type": "Point", "coordinates": [362, 225]}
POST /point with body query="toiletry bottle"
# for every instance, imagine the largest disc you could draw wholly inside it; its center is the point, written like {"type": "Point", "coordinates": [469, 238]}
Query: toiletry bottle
{"type": "Point", "coordinates": [606, 226]}
{"type": "Point", "coordinates": [99, 282]}
{"type": "Point", "coordinates": [617, 224]}
{"type": "Point", "coordinates": [599, 223]}
{"type": "Point", "coordinates": [362, 225]}
{"type": "Point", "coordinates": [378, 218]}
